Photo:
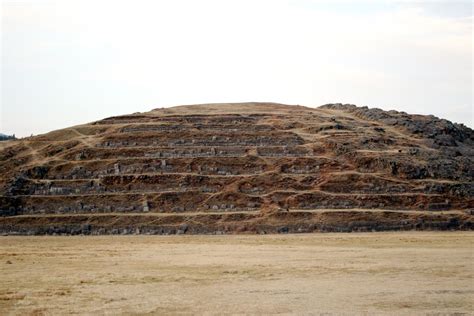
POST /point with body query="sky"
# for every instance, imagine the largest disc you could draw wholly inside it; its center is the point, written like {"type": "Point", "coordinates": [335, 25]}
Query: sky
{"type": "Point", "coordinates": [70, 62]}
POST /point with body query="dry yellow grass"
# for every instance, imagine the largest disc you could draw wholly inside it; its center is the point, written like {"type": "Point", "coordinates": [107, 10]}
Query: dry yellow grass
{"type": "Point", "coordinates": [378, 273]}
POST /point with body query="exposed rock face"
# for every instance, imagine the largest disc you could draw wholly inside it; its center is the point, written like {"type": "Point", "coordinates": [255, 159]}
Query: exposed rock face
{"type": "Point", "coordinates": [249, 167]}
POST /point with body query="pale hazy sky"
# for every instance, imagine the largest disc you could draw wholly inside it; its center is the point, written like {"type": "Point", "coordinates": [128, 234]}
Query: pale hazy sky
{"type": "Point", "coordinates": [69, 62]}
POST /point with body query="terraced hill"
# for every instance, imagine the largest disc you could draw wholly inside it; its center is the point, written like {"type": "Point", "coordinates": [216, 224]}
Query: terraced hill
{"type": "Point", "coordinates": [246, 167]}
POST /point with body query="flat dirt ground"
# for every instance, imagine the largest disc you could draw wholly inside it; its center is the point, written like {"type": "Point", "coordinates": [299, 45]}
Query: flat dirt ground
{"type": "Point", "coordinates": [410, 273]}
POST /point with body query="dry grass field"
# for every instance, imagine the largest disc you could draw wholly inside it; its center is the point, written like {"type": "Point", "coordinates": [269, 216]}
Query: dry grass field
{"type": "Point", "coordinates": [403, 273]}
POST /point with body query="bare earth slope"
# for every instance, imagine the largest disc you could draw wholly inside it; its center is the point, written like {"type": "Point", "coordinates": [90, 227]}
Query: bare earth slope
{"type": "Point", "coordinates": [246, 167]}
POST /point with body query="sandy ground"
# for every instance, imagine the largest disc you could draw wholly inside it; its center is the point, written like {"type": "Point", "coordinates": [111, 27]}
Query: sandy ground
{"type": "Point", "coordinates": [410, 273]}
